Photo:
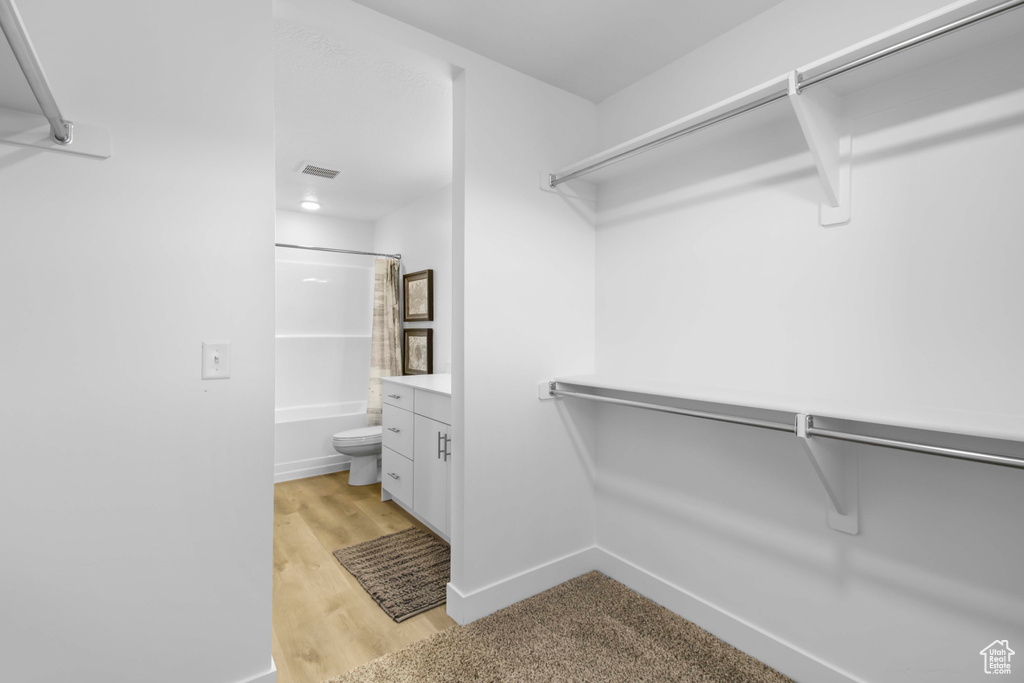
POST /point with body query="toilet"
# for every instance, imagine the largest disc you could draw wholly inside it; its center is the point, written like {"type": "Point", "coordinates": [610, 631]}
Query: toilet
{"type": "Point", "coordinates": [363, 444]}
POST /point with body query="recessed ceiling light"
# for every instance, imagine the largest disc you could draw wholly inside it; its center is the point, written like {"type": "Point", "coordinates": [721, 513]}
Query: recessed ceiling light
{"type": "Point", "coordinates": [310, 205]}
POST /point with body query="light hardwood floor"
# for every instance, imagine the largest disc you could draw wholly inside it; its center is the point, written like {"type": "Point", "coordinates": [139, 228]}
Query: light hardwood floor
{"type": "Point", "coordinates": [324, 622]}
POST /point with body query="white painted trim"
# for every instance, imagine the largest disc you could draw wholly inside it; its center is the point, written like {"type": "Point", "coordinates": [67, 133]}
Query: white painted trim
{"type": "Point", "coordinates": [774, 651]}
{"type": "Point", "coordinates": [465, 607]}
{"type": "Point", "coordinates": [266, 677]}
{"type": "Point", "coordinates": [455, 603]}
{"type": "Point", "coordinates": [312, 467]}
{"type": "Point", "coordinates": [798, 664]}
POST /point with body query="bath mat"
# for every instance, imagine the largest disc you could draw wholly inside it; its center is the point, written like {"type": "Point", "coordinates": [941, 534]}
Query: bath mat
{"type": "Point", "coordinates": [405, 573]}
{"type": "Point", "coordinates": [591, 629]}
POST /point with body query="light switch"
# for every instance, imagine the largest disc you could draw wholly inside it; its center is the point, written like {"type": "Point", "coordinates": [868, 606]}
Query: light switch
{"type": "Point", "coordinates": [216, 360]}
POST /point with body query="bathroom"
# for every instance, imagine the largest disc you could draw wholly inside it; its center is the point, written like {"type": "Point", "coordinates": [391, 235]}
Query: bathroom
{"type": "Point", "coordinates": [363, 248]}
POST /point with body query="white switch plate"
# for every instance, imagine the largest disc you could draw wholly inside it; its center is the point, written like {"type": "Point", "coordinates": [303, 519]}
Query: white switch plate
{"type": "Point", "coordinates": [216, 360]}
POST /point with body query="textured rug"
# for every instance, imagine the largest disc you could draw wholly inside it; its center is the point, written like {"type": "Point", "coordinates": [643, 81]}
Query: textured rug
{"type": "Point", "coordinates": [406, 573]}
{"type": "Point", "coordinates": [589, 629]}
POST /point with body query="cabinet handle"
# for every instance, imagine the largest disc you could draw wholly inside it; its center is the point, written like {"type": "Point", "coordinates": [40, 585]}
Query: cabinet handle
{"type": "Point", "coordinates": [440, 446]}
{"type": "Point", "coordinates": [392, 429]}
{"type": "Point", "coordinates": [393, 475]}
{"type": "Point", "coordinates": [394, 396]}
{"type": "Point", "coordinates": [447, 447]}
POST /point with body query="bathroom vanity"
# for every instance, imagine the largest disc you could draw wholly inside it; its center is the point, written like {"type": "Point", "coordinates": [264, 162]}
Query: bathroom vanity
{"type": "Point", "coordinates": [417, 447]}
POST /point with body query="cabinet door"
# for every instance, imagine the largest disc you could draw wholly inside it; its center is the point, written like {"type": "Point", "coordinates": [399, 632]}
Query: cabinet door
{"type": "Point", "coordinates": [430, 479]}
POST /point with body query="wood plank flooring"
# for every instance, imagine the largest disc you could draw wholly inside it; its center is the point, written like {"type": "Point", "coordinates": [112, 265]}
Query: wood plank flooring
{"type": "Point", "coordinates": [324, 622]}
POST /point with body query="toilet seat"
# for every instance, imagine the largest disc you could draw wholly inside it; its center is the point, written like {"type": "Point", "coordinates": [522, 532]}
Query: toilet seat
{"type": "Point", "coordinates": [361, 436]}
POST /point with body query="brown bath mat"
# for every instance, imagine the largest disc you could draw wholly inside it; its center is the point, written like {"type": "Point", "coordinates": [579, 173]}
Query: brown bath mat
{"type": "Point", "coordinates": [589, 629]}
{"type": "Point", "coordinates": [406, 573]}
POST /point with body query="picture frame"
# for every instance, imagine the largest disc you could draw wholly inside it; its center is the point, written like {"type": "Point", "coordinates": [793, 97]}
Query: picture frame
{"type": "Point", "coordinates": [418, 296]}
{"type": "Point", "coordinates": [418, 352]}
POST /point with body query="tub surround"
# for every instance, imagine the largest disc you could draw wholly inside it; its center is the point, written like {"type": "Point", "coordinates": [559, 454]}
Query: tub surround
{"type": "Point", "coordinates": [323, 324]}
{"type": "Point", "coordinates": [416, 455]}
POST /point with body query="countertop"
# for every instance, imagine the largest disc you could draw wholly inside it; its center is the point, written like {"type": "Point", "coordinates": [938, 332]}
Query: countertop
{"type": "Point", "coordinates": [437, 384]}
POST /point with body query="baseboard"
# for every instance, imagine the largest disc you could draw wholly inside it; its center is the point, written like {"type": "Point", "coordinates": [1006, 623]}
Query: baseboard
{"type": "Point", "coordinates": [465, 607]}
{"type": "Point", "coordinates": [300, 469]}
{"type": "Point", "coordinates": [796, 663]}
{"type": "Point", "coordinates": [266, 677]}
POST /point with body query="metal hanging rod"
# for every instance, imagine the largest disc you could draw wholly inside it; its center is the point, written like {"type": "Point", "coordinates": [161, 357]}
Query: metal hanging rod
{"type": "Point", "coordinates": [718, 417]}
{"type": "Point", "coordinates": [554, 180]}
{"type": "Point", "coordinates": [911, 42]}
{"type": "Point", "coordinates": [957, 453]}
{"type": "Point", "coordinates": [61, 130]}
{"type": "Point", "coordinates": [812, 431]}
{"type": "Point", "coordinates": [397, 257]}
{"type": "Point", "coordinates": [557, 180]}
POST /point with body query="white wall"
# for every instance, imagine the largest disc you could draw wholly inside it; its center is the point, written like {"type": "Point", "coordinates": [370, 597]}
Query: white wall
{"type": "Point", "coordinates": [334, 232]}
{"type": "Point", "coordinates": [137, 498]}
{"type": "Point", "coordinates": [524, 296]}
{"type": "Point", "coordinates": [717, 274]}
{"type": "Point", "coordinates": [422, 233]}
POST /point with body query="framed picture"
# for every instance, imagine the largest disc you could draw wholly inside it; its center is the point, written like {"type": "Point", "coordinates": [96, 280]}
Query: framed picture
{"type": "Point", "coordinates": [418, 352]}
{"type": "Point", "coordinates": [418, 289]}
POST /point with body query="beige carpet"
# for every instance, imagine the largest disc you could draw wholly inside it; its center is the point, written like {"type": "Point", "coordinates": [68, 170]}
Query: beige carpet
{"type": "Point", "coordinates": [589, 629]}
{"type": "Point", "coordinates": [405, 573]}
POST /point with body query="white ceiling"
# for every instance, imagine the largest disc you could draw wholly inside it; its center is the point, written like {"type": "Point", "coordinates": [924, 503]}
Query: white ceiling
{"type": "Point", "coordinates": [593, 48]}
{"type": "Point", "coordinates": [381, 117]}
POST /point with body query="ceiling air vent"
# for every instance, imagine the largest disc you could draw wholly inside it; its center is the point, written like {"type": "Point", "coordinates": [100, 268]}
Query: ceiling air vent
{"type": "Point", "coordinates": [318, 171]}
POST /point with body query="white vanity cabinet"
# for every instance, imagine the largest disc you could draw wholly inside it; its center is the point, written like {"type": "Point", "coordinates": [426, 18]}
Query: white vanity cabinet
{"type": "Point", "coordinates": [416, 457]}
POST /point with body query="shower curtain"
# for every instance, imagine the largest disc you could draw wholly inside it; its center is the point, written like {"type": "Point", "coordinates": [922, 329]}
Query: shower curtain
{"type": "Point", "coordinates": [386, 347]}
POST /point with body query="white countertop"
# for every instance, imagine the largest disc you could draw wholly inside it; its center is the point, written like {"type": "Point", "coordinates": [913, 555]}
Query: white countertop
{"type": "Point", "coordinates": [438, 384]}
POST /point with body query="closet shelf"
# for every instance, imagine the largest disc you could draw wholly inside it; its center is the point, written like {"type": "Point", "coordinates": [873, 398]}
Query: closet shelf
{"type": "Point", "coordinates": [836, 470]}
{"type": "Point", "coordinates": [815, 93]}
{"type": "Point", "coordinates": [972, 424]}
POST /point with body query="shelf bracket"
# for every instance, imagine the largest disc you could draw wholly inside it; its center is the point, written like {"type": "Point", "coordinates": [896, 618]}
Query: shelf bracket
{"type": "Point", "coordinates": [574, 189]}
{"type": "Point", "coordinates": [838, 475]}
{"type": "Point", "coordinates": [544, 390]}
{"type": "Point", "coordinates": [819, 113]}
{"type": "Point", "coordinates": [33, 130]}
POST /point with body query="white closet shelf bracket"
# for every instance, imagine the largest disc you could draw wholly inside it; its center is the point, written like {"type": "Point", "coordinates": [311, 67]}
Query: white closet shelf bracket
{"type": "Point", "coordinates": [33, 130]}
{"type": "Point", "coordinates": [820, 115]}
{"type": "Point", "coordinates": [49, 131]}
{"type": "Point", "coordinates": [838, 476]}
{"type": "Point", "coordinates": [836, 469]}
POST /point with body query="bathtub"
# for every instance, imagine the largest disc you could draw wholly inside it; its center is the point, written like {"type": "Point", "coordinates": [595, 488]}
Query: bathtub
{"type": "Point", "coordinates": [302, 438]}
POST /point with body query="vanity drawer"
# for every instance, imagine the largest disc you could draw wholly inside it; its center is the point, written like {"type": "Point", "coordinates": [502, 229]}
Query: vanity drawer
{"type": "Point", "coordinates": [435, 406]}
{"type": "Point", "coordinates": [397, 395]}
{"type": "Point", "coordinates": [397, 430]}
{"type": "Point", "coordinates": [396, 476]}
